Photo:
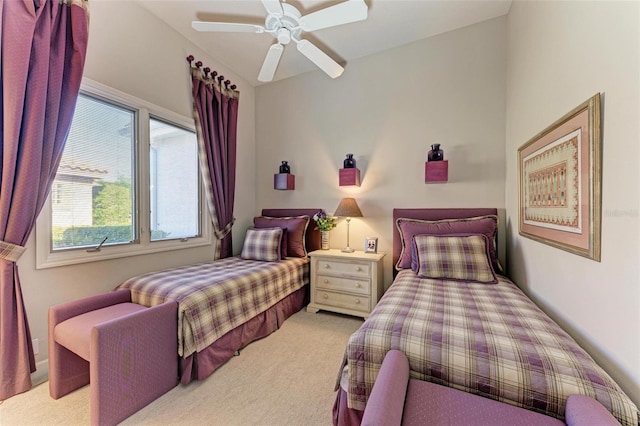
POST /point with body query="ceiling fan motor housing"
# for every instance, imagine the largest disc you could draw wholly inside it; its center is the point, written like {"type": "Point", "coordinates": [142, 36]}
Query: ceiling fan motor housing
{"type": "Point", "coordinates": [284, 26]}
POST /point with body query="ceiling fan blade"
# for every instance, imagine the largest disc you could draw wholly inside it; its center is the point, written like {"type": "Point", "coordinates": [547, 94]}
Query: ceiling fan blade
{"type": "Point", "coordinates": [273, 6]}
{"type": "Point", "coordinates": [270, 63]}
{"type": "Point", "coordinates": [321, 59]}
{"type": "Point", "coordinates": [226, 27]}
{"type": "Point", "coordinates": [342, 13]}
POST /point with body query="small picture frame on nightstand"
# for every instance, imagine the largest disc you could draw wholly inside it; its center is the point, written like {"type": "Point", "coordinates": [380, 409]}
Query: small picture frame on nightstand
{"type": "Point", "coordinates": [371, 245]}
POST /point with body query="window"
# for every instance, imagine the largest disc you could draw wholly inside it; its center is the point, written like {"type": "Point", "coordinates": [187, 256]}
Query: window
{"type": "Point", "coordinates": [93, 199]}
{"type": "Point", "coordinates": [173, 161]}
{"type": "Point", "coordinates": [128, 183]}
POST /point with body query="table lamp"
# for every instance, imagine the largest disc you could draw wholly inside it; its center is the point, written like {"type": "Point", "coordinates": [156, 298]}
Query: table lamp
{"type": "Point", "coordinates": [348, 208]}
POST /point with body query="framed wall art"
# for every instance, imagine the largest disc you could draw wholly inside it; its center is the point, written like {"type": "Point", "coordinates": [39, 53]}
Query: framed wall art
{"type": "Point", "coordinates": [560, 180]}
{"type": "Point", "coordinates": [371, 245]}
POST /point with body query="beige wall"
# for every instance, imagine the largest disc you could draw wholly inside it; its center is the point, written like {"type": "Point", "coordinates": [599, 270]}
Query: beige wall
{"type": "Point", "coordinates": [132, 51]}
{"type": "Point", "coordinates": [559, 55]}
{"type": "Point", "coordinates": [387, 109]}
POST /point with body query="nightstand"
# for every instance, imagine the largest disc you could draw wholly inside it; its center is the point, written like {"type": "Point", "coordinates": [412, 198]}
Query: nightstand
{"type": "Point", "coordinates": [348, 283]}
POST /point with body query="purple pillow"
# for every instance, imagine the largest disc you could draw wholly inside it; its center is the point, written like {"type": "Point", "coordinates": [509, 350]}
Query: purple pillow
{"type": "Point", "coordinates": [296, 228]}
{"type": "Point", "coordinates": [283, 243]}
{"type": "Point", "coordinates": [486, 225]}
{"type": "Point", "coordinates": [453, 257]}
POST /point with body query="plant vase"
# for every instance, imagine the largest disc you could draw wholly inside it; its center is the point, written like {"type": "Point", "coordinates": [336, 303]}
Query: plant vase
{"type": "Point", "coordinates": [324, 239]}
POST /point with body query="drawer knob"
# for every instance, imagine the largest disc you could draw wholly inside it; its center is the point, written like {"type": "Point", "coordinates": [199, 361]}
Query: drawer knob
{"type": "Point", "coordinates": [358, 268]}
{"type": "Point", "coordinates": [326, 281]}
{"type": "Point", "coordinates": [325, 296]}
{"type": "Point", "coordinates": [357, 301]}
{"type": "Point", "coordinates": [358, 285]}
{"type": "Point", "coordinates": [326, 265]}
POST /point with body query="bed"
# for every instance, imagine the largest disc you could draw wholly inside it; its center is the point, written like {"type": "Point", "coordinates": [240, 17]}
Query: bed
{"type": "Point", "coordinates": [225, 304]}
{"type": "Point", "coordinates": [465, 326]}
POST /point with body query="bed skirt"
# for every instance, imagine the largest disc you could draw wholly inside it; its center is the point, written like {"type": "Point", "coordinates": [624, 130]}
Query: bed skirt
{"type": "Point", "coordinates": [342, 414]}
{"type": "Point", "coordinates": [201, 364]}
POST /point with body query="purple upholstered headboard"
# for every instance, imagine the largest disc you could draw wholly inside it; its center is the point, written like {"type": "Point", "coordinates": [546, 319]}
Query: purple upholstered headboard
{"type": "Point", "coordinates": [431, 214]}
{"type": "Point", "coordinates": [312, 235]}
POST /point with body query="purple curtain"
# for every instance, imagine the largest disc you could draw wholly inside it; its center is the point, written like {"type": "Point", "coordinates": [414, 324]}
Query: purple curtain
{"type": "Point", "coordinates": [215, 111]}
{"type": "Point", "coordinates": [43, 45]}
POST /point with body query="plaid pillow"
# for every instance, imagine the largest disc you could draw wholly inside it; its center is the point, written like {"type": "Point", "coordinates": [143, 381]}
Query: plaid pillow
{"type": "Point", "coordinates": [296, 227]}
{"type": "Point", "coordinates": [407, 228]}
{"type": "Point", "coordinates": [458, 258]}
{"type": "Point", "coordinates": [262, 244]}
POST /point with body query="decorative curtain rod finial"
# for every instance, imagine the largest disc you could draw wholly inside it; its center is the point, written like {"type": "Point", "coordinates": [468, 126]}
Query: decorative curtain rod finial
{"type": "Point", "coordinates": [209, 75]}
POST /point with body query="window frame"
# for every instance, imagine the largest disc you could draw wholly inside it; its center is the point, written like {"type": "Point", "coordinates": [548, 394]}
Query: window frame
{"type": "Point", "coordinates": [142, 244]}
{"type": "Point", "coordinates": [149, 151]}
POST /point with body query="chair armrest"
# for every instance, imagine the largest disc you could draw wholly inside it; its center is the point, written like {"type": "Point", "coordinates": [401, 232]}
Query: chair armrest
{"type": "Point", "coordinates": [386, 402]}
{"type": "Point", "coordinates": [155, 327]}
{"type": "Point", "coordinates": [64, 311]}
{"type": "Point", "coordinates": [160, 321]}
{"type": "Point", "coordinates": [582, 410]}
{"type": "Point", "coordinates": [136, 354]}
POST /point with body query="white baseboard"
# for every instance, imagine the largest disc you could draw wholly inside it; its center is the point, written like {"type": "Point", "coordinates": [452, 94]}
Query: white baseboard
{"type": "Point", "coordinates": [41, 374]}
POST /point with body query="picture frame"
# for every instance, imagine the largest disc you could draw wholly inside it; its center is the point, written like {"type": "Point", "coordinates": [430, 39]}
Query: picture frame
{"type": "Point", "coordinates": [560, 182]}
{"type": "Point", "coordinates": [371, 245]}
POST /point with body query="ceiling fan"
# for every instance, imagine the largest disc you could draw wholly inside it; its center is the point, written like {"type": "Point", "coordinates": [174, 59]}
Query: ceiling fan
{"type": "Point", "coordinates": [286, 24]}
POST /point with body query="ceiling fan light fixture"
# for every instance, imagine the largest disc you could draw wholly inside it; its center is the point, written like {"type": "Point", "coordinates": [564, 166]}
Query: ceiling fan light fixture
{"type": "Point", "coordinates": [285, 23]}
{"type": "Point", "coordinates": [284, 36]}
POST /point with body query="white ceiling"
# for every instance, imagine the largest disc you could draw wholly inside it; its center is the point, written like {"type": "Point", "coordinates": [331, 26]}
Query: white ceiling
{"type": "Point", "coordinates": [390, 23]}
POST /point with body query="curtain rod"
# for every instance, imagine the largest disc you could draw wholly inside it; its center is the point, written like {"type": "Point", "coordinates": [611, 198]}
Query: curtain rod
{"type": "Point", "coordinates": [213, 75]}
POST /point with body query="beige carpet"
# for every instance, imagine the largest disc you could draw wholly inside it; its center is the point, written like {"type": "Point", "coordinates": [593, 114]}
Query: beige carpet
{"type": "Point", "coordinates": [286, 378]}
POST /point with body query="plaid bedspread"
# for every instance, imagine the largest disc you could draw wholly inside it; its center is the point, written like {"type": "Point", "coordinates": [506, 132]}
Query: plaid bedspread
{"type": "Point", "coordinates": [214, 298]}
{"type": "Point", "coordinates": [486, 339]}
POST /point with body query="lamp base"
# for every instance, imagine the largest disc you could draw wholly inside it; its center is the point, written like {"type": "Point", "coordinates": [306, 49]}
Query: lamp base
{"type": "Point", "coordinates": [347, 250]}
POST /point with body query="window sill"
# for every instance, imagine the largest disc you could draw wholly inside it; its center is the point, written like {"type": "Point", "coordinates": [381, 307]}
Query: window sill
{"type": "Point", "coordinates": [48, 259]}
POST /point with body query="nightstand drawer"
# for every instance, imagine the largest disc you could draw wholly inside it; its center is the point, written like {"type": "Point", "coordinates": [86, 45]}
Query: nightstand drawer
{"type": "Point", "coordinates": [351, 268]}
{"type": "Point", "coordinates": [347, 301]}
{"type": "Point", "coordinates": [327, 282]}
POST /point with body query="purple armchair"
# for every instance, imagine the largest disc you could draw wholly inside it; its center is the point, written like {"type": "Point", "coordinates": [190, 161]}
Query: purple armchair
{"type": "Point", "coordinates": [127, 351]}
{"type": "Point", "coordinates": [397, 399]}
